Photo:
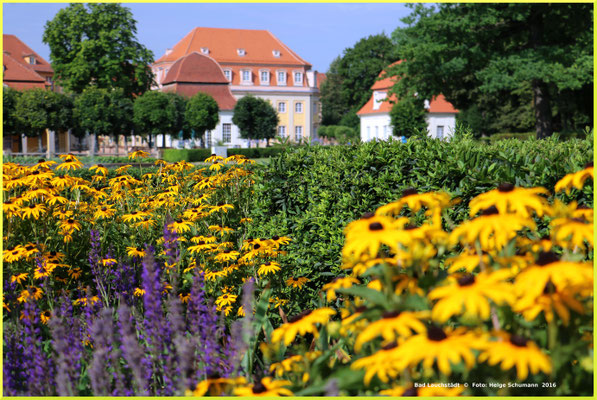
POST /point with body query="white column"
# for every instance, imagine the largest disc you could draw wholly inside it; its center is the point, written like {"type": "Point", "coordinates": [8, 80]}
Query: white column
{"type": "Point", "coordinates": [51, 149]}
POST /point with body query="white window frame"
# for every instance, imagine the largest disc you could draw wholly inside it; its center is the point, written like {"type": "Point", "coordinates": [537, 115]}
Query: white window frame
{"type": "Point", "coordinates": [284, 81]}
{"type": "Point", "coordinates": [276, 53]}
{"type": "Point", "coordinates": [228, 74]}
{"type": "Point", "coordinates": [298, 132]}
{"type": "Point", "coordinates": [227, 131]}
{"type": "Point", "coordinates": [282, 130]}
{"type": "Point", "coordinates": [282, 107]}
{"type": "Point", "coordinates": [298, 107]}
{"type": "Point", "coordinates": [300, 81]}
{"type": "Point", "coordinates": [242, 76]}
{"type": "Point", "coordinates": [261, 73]}
{"type": "Point", "coordinates": [440, 132]}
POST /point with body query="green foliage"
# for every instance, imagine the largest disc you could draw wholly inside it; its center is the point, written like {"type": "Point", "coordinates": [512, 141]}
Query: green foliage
{"type": "Point", "coordinates": [349, 79]}
{"type": "Point", "coordinates": [190, 155]}
{"type": "Point", "coordinates": [531, 51]}
{"type": "Point", "coordinates": [311, 193]}
{"type": "Point", "coordinates": [258, 152]}
{"type": "Point", "coordinates": [95, 45]}
{"type": "Point", "coordinates": [157, 113]}
{"type": "Point", "coordinates": [343, 134]}
{"type": "Point", "coordinates": [256, 118]}
{"type": "Point", "coordinates": [10, 122]}
{"type": "Point", "coordinates": [103, 112]}
{"type": "Point", "coordinates": [201, 113]}
{"type": "Point", "coordinates": [38, 109]}
{"type": "Point", "coordinates": [408, 117]}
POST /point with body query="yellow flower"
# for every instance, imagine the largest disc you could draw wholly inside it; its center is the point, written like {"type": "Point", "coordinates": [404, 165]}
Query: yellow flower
{"type": "Point", "coordinates": [108, 261]}
{"type": "Point", "coordinates": [19, 278]}
{"type": "Point", "coordinates": [45, 317]}
{"type": "Point", "coordinates": [572, 233]}
{"type": "Point", "coordinates": [296, 282]}
{"type": "Point", "coordinates": [551, 299]}
{"type": "Point", "coordinates": [69, 162]}
{"type": "Point", "coordinates": [13, 254]}
{"type": "Point", "coordinates": [509, 199]}
{"type": "Point", "coordinates": [366, 235]}
{"type": "Point", "coordinates": [99, 169]}
{"type": "Point", "coordinates": [575, 180]}
{"type": "Point", "coordinates": [266, 387]}
{"type": "Point", "coordinates": [227, 255]}
{"type": "Point", "coordinates": [302, 324]}
{"type": "Point", "coordinates": [467, 261]}
{"type": "Point", "coordinates": [70, 225]}
{"type": "Point", "coordinates": [216, 386]}
{"type": "Point", "coordinates": [180, 226]}
{"type": "Point", "coordinates": [105, 211]}
{"type": "Point", "coordinates": [338, 283]}
{"type": "Point", "coordinates": [469, 294]}
{"type": "Point", "coordinates": [226, 300]}
{"type": "Point", "coordinates": [515, 350]}
{"type": "Point", "coordinates": [493, 230]}
{"type": "Point", "coordinates": [221, 230]}
{"type": "Point", "coordinates": [221, 207]}
{"type": "Point", "coordinates": [391, 324]}
{"type": "Point", "coordinates": [135, 251]}
{"type": "Point", "coordinates": [415, 201]}
{"type": "Point", "coordinates": [33, 211]}
{"type": "Point", "coordinates": [184, 298]}
{"type": "Point", "coordinates": [138, 154]}
{"type": "Point", "coordinates": [134, 216]}
{"type": "Point", "coordinates": [270, 267]}
{"type": "Point", "coordinates": [138, 292]}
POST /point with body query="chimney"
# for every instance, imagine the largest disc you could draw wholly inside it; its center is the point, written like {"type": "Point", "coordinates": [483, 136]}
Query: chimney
{"type": "Point", "coordinates": [168, 51]}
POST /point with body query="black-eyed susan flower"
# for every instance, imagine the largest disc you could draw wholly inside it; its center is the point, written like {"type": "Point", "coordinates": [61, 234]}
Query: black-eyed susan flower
{"type": "Point", "coordinates": [366, 235]}
{"type": "Point", "coordinates": [216, 386]}
{"type": "Point", "coordinates": [13, 254]}
{"type": "Point", "coordinates": [467, 261]}
{"type": "Point", "coordinates": [221, 207]}
{"type": "Point", "coordinates": [470, 294]}
{"type": "Point", "coordinates": [491, 229]}
{"type": "Point", "coordinates": [75, 273]}
{"type": "Point", "coordinates": [146, 223]}
{"type": "Point", "coordinates": [19, 278]}
{"type": "Point", "coordinates": [180, 226]}
{"type": "Point", "coordinates": [415, 201]}
{"type": "Point", "coordinates": [135, 251]}
{"type": "Point", "coordinates": [45, 317]}
{"type": "Point", "coordinates": [270, 267]}
{"type": "Point", "coordinates": [516, 351]}
{"type": "Point", "coordinates": [138, 292]}
{"type": "Point", "coordinates": [226, 300]}
{"type": "Point", "coordinates": [106, 262]}
{"type": "Point", "coordinates": [99, 169]}
{"type": "Point", "coordinates": [70, 225]}
{"type": "Point", "coordinates": [134, 216]}
{"type": "Point", "coordinates": [296, 282]}
{"type": "Point", "coordinates": [138, 154]}
{"type": "Point", "coordinates": [551, 299]}
{"type": "Point", "coordinates": [69, 162]}
{"type": "Point", "coordinates": [392, 324]}
{"type": "Point", "coordinates": [301, 324]}
{"type": "Point", "coordinates": [184, 298]}
{"type": "Point", "coordinates": [509, 199]}
{"type": "Point", "coordinates": [33, 211]}
{"type": "Point", "coordinates": [575, 180]}
{"type": "Point", "coordinates": [222, 230]}
{"type": "Point", "coordinates": [571, 233]}
{"type": "Point", "coordinates": [338, 283]}
{"type": "Point", "coordinates": [227, 255]}
{"type": "Point", "coordinates": [278, 302]}
{"type": "Point", "coordinates": [386, 363]}
{"type": "Point", "coordinates": [266, 387]}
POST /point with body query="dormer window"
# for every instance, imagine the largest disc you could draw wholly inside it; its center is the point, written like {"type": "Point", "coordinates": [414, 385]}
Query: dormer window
{"type": "Point", "coordinates": [205, 50]}
{"type": "Point", "coordinates": [240, 52]}
{"type": "Point", "coordinates": [276, 53]}
{"type": "Point", "coordinates": [30, 60]}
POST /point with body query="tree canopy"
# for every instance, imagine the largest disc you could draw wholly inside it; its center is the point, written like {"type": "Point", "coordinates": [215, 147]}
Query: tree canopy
{"type": "Point", "coordinates": [348, 81]}
{"type": "Point", "coordinates": [482, 55]}
{"type": "Point", "coordinates": [95, 45]}
{"type": "Point", "coordinates": [256, 118]}
{"type": "Point", "coordinates": [100, 111]}
{"type": "Point", "coordinates": [10, 123]}
{"type": "Point", "coordinates": [201, 113]}
{"type": "Point", "coordinates": [407, 117]}
{"type": "Point", "coordinates": [157, 113]}
{"type": "Point", "coordinates": [38, 109]}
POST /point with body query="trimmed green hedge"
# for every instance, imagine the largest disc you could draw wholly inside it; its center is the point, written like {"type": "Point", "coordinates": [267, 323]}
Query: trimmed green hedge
{"type": "Point", "coordinates": [258, 152]}
{"type": "Point", "coordinates": [311, 193]}
{"type": "Point", "coordinates": [189, 155]}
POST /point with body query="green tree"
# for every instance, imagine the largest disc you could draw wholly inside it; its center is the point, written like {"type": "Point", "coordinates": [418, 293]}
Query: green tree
{"type": "Point", "coordinates": [201, 113]}
{"type": "Point", "coordinates": [256, 118]}
{"type": "Point", "coordinates": [10, 123]}
{"type": "Point", "coordinates": [349, 79]}
{"type": "Point", "coordinates": [467, 51]}
{"type": "Point", "coordinates": [103, 112]}
{"type": "Point", "coordinates": [95, 45]}
{"type": "Point", "coordinates": [407, 117]}
{"type": "Point", "coordinates": [158, 113]}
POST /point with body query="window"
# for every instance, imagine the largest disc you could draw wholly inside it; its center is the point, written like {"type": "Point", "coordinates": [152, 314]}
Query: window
{"type": "Point", "coordinates": [377, 132]}
{"type": "Point", "coordinates": [228, 74]}
{"type": "Point", "coordinates": [246, 75]}
{"type": "Point", "coordinates": [385, 132]}
{"type": "Point", "coordinates": [298, 107]}
{"type": "Point", "coordinates": [264, 77]}
{"type": "Point", "coordinates": [298, 133]}
{"type": "Point", "coordinates": [204, 50]}
{"type": "Point", "coordinates": [368, 133]}
{"type": "Point", "coordinates": [281, 77]}
{"type": "Point", "coordinates": [227, 133]}
{"type": "Point", "coordinates": [282, 131]}
{"type": "Point", "coordinates": [440, 131]}
{"type": "Point", "coordinates": [208, 139]}
{"type": "Point", "coordinates": [276, 53]}
{"type": "Point", "coordinates": [31, 60]}
{"type": "Point", "coordinates": [240, 52]}
{"type": "Point", "coordinates": [282, 107]}
{"type": "Point", "coordinates": [298, 78]}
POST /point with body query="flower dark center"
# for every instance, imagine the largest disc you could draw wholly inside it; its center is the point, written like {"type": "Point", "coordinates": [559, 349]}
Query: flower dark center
{"type": "Point", "coordinates": [390, 346]}
{"type": "Point", "coordinates": [409, 192]}
{"type": "Point", "coordinates": [360, 309]}
{"type": "Point", "coordinates": [201, 242]}
{"type": "Point", "coordinates": [549, 288]}
{"type": "Point", "coordinates": [29, 247]}
{"type": "Point", "coordinates": [546, 257]}
{"type": "Point", "coordinates": [179, 221]}
{"type": "Point", "coordinates": [71, 221]}
{"type": "Point", "coordinates": [299, 316]}
{"type": "Point", "coordinates": [52, 253]}
{"type": "Point", "coordinates": [213, 154]}
{"type": "Point", "coordinates": [466, 280]}
{"type": "Point", "coordinates": [505, 187]}
{"type": "Point", "coordinates": [100, 165]}
{"type": "Point", "coordinates": [41, 160]}
{"type": "Point", "coordinates": [413, 391]}
{"type": "Point", "coordinates": [410, 227]}
{"type": "Point", "coordinates": [390, 314]}
{"type": "Point", "coordinates": [267, 264]}
{"type": "Point", "coordinates": [227, 251]}
{"type": "Point", "coordinates": [276, 237]}
{"type": "Point", "coordinates": [580, 220]}
{"type": "Point", "coordinates": [518, 341]}
{"type": "Point", "coordinates": [35, 173]}
{"type": "Point", "coordinates": [104, 209]}
{"type": "Point", "coordinates": [257, 246]}
{"type": "Point", "coordinates": [139, 249]}
{"type": "Point", "coordinates": [490, 211]}
{"type": "Point", "coordinates": [375, 226]}
{"type": "Point", "coordinates": [367, 215]}
{"type": "Point", "coordinates": [259, 388]}
{"type": "Point", "coordinates": [589, 165]}
{"type": "Point", "coordinates": [436, 333]}
{"type": "Point", "coordinates": [31, 206]}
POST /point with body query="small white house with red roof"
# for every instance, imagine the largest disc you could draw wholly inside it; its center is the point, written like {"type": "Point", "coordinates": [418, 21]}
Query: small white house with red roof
{"type": "Point", "coordinates": [375, 114]}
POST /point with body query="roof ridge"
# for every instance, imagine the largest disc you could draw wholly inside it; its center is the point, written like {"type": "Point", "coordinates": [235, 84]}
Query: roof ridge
{"type": "Point", "coordinates": [287, 48]}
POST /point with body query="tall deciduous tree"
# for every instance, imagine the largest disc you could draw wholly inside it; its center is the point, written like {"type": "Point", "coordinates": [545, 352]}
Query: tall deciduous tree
{"type": "Point", "coordinates": [467, 51]}
{"type": "Point", "coordinates": [95, 45]}
{"type": "Point", "coordinates": [201, 113]}
{"type": "Point", "coordinates": [349, 79]}
{"type": "Point", "coordinates": [256, 118]}
{"type": "Point", "coordinates": [408, 117]}
{"type": "Point", "coordinates": [10, 123]}
{"type": "Point", "coordinates": [158, 113]}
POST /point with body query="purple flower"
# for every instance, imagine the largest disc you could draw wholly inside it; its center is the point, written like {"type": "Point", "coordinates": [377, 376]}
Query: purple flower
{"type": "Point", "coordinates": [132, 351]}
{"type": "Point", "coordinates": [14, 367]}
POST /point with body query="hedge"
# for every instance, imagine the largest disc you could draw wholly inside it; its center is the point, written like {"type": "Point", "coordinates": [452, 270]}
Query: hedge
{"type": "Point", "coordinates": [189, 155]}
{"type": "Point", "coordinates": [258, 152]}
{"type": "Point", "coordinates": [311, 193]}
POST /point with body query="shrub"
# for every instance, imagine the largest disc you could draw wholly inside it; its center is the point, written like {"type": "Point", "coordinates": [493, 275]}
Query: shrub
{"type": "Point", "coordinates": [258, 152]}
{"type": "Point", "coordinates": [189, 155]}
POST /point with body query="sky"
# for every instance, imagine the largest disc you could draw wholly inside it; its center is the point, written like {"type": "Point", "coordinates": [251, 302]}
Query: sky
{"type": "Point", "coordinates": [318, 32]}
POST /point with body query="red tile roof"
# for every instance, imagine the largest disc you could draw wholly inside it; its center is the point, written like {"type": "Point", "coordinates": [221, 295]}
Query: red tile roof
{"type": "Point", "coordinates": [18, 50]}
{"type": "Point", "coordinates": [320, 79]}
{"type": "Point", "coordinates": [220, 93]}
{"type": "Point", "coordinates": [196, 68]}
{"type": "Point", "coordinates": [222, 44]}
{"type": "Point", "coordinates": [438, 104]}
{"type": "Point", "coordinates": [18, 76]}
